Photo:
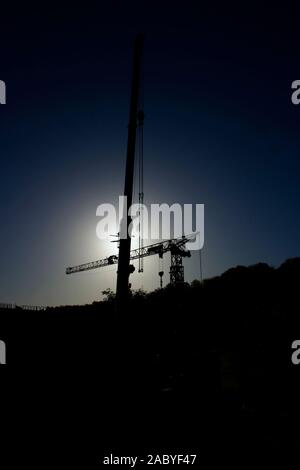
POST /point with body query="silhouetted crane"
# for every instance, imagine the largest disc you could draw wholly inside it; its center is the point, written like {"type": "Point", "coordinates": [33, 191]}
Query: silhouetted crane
{"type": "Point", "coordinates": [136, 117]}
{"type": "Point", "coordinates": [176, 246]}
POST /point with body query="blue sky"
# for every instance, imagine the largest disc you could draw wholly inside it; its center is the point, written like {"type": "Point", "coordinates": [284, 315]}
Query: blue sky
{"type": "Point", "coordinates": [220, 129]}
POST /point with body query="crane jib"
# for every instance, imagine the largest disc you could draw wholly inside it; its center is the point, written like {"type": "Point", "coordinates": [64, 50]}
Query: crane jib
{"type": "Point", "coordinates": [150, 250]}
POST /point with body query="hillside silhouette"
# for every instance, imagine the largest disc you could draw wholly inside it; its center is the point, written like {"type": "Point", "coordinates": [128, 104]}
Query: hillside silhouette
{"type": "Point", "coordinates": [194, 356]}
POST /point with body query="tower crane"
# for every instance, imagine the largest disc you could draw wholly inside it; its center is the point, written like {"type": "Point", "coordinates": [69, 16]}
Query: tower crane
{"type": "Point", "coordinates": [176, 246]}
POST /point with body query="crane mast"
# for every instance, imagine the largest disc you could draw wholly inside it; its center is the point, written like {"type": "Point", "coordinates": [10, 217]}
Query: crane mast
{"type": "Point", "coordinates": [125, 239]}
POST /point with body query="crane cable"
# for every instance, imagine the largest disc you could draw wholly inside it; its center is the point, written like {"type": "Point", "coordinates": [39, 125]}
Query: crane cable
{"type": "Point", "coordinates": [201, 268]}
{"type": "Point", "coordinates": [140, 161]}
{"type": "Point", "coordinates": [161, 269]}
{"type": "Point", "coordinates": [141, 183]}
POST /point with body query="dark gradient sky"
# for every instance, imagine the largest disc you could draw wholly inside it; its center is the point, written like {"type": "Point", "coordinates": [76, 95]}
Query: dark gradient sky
{"type": "Point", "coordinates": [220, 129]}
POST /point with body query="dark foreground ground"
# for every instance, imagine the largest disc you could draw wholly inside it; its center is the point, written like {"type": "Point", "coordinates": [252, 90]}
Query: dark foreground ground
{"type": "Point", "coordinates": [203, 369]}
